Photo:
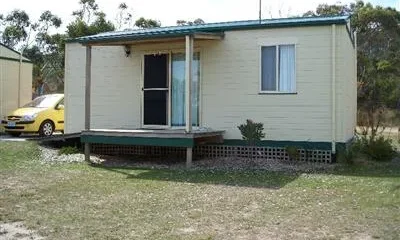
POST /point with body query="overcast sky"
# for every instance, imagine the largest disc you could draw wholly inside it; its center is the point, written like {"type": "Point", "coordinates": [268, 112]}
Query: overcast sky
{"type": "Point", "coordinates": [168, 11]}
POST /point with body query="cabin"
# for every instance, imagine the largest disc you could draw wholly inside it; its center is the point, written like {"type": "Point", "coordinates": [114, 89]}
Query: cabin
{"type": "Point", "coordinates": [190, 87]}
{"type": "Point", "coordinates": [15, 80]}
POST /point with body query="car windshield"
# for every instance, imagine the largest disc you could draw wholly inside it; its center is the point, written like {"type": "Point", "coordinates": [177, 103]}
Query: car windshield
{"type": "Point", "coordinates": [43, 101]}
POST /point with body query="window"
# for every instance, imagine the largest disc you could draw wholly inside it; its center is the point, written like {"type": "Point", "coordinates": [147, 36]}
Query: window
{"type": "Point", "coordinates": [178, 89]}
{"type": "Point", "coordinates": [278, 69]}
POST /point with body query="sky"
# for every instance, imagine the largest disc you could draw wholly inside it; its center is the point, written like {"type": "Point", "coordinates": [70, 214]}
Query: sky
{"type": "Point", "coordinates": [168, 11]}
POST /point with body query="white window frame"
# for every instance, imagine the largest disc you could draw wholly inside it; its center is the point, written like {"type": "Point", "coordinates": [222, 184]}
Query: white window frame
{"type": "Point", "coordinates": [276, 45]}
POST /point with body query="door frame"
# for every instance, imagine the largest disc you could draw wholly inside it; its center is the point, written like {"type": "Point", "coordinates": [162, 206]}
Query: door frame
{"type": "Point", "coordinates": [168, 89]}
{"type": "Point", "coordinates": [169, 75]}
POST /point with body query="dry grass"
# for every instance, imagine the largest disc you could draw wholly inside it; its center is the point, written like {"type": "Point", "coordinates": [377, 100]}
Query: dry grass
{"type": "Point", "coordinates": [77, 201]}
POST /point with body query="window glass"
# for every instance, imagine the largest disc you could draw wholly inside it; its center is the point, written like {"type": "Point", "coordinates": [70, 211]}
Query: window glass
{"type": "Point", "coordinates": [286, 68]}
{"type": "Point", "coordinates": [178, 89]}
{"type": "Point", "coordinates": [45, 101]}
{"type": "Point", "coordinates": [268, 68]}
{"type": "Point", "coordinates": [278, 74]}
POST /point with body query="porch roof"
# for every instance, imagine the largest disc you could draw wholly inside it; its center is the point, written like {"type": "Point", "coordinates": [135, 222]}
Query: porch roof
{"type": "Point", "coordinates": [210, 29]}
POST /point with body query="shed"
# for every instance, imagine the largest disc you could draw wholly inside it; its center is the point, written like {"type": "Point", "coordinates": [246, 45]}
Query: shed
{"type": "Point", "coordinates": [15, 80]}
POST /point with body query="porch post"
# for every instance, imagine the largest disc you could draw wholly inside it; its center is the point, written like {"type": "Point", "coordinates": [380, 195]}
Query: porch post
{"type": "Point", "coordinates": [189, 156]}
{"type": "Point", "coordinates": [87, 97]}
{"type": "Point", "coordinates": [188, 94]}
{"type": "Point", "coordinates": [188, 82]}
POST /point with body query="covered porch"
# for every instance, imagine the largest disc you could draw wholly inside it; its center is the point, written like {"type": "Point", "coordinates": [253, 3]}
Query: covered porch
{"type": "Point", "coordinates": [158, 133]}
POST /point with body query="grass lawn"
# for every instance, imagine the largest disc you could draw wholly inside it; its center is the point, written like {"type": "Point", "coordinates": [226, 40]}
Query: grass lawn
{"type": "Point", "coordinates": [78, 201]}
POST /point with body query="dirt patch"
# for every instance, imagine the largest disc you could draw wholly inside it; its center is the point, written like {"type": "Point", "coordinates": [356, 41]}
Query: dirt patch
{"type": "Point", "coordinates": [17, 231]}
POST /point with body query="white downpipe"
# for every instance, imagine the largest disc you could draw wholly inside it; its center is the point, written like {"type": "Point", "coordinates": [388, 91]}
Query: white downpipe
{"type": "Point", "coordinates": [355, 79]}
{"type": "Point", "coordinates": [333, 89]}
{"type": "Point", "coordinates": [19, 78]}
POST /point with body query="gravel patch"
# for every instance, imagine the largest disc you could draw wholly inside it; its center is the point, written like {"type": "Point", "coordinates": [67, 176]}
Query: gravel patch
{"type": "Point", "coordinates": [51, 155]}
{"type": "Point", "coordinates": [17, 231]}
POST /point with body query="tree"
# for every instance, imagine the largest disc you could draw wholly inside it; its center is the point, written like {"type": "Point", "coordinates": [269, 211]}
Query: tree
{"type": "Point", "coordinates": [197, 21]}
{"type": "Point", "coordinates": [331, 10]}
{"type": "Point", "coordinates": [36, 56]}
{"type": "Point", "coordinates": [87, 10]}
{"type": "Point", "coordinates": [378, 69]}
{"type": "Point", "coordinates": [17, 28]}
{"type": "Point", "coordinates": [147, 23]}
{"type": "Point", "coordinates": [89, 20]}
{"type": "Point", "coordinates": [124, 17]}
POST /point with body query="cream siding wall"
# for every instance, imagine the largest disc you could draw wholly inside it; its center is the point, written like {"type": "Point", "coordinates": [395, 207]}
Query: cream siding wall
{"type": "Point", "coordinates": [115, 92]}
{"type": "Point", "coordinates": [230, 79]}
{"type": "Point", "coordinates": [231, 84]}
{"type": "Point", "coordinates": [9, 73]}
{"type": "Point", "coordinates": [347, 86]}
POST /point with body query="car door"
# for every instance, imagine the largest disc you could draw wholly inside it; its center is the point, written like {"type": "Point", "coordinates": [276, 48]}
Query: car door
{"type": "Point", "coordinates": [59, 116]}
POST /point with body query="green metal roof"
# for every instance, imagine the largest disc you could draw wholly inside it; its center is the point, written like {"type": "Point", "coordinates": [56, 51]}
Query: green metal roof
{"type": "Point", "coordinates": [179, 31]}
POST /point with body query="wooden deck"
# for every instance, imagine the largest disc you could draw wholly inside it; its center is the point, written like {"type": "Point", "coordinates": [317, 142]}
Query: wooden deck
{"type": "Point", "coordinates": [152, 137]}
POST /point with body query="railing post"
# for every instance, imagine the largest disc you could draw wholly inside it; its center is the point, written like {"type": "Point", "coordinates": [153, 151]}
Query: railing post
{"type": "Point", "coordinates": [88, 79]}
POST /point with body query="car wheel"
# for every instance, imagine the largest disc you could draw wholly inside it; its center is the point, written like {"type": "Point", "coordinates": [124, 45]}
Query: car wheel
{"type": "Point", "coordinates": [46, 128]}
{"type": "Point", "coordinates": [14, 134]}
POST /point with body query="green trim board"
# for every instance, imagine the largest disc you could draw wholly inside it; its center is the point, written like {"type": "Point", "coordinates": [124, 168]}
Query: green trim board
{"type": "Point", "coordinates": [14, 59]}
{"type": "Point", "coordinates": [281, 144]}
{"type": "Point", "coordinates": [140, 141]}
{"type": "Point", "coordinates": [188, 142]}
{"type": "Point", "coordinates": [180, 31]}
{"type": "Point", "coordinates": [351, 36]}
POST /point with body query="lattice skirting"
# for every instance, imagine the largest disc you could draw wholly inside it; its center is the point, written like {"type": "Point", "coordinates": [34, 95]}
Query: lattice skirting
{"type": "Point", "coordinates": [214, 151]}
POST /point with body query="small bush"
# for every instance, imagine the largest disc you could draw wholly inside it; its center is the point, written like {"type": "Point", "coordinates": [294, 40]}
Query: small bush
{"type": "Point", "coordinates": [293, 152]}
{"type": "Point", "coordinates": [252, 131]}
{"type": "Point", "coordinates": [378, 149]}
{"type": "Point", "coordinates": [68, 150]}
{"type": "Point", "coordinates": [348, 154]}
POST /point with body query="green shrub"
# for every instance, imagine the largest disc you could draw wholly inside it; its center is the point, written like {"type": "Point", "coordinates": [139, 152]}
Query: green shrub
{"type": "Point", "coordinates": [348, 154]}
{"type": "Point", "coordinates": [378, 149]}
{"type": "Point", "coordinates": [68, 150]}
{"type": "Point", "coordinates": [293, 152]}
{"type": "Point", "coordinates": [252, 131]}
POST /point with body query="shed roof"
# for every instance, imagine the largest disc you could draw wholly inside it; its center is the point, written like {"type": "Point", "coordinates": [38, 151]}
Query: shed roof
{"type": "Point", "coordinates": [7, 53]}
{"type": "Point", "coordinates": [179, 31]}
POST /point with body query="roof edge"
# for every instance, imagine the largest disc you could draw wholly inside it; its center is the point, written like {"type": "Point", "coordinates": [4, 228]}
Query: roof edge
{"type": "Point", "coordinates": [175, 31]}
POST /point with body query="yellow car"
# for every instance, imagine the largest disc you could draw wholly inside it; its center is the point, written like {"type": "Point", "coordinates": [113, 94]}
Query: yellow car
{"type": "Point", "coordinates": [44, 115]}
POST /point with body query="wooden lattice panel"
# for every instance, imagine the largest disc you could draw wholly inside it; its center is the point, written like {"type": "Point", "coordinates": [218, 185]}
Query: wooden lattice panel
{"type": "Point", "coordinates": [108, 149]}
